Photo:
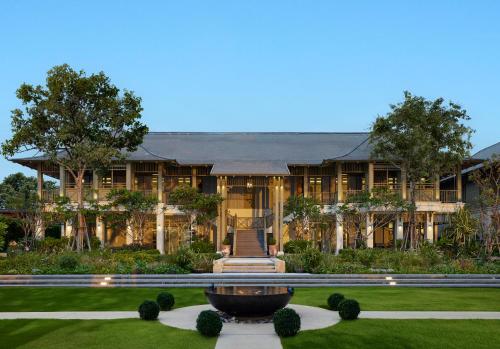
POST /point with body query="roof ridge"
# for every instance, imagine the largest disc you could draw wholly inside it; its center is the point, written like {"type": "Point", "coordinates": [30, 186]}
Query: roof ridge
{"type": "Point", "coordinates": [490, 146]}
{"type": "Point", "coordinates": [248, 132]}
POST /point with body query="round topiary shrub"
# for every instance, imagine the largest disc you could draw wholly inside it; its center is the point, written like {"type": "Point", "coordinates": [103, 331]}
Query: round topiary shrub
{"type": "Point", "coordinates": [349, 309]}
{"type": "Point", "coordinates": [334, 300]}
{"type": "Point", "coordinates": [209, 323]}
{"type": "Point", "coordinates": [165, 300]}
{"type": "Point", "coordinates": [68, 262]}
{"type": "Point", "coordinates": [286, 322]}
{"type": "Point", "coordinates": [149, 310]}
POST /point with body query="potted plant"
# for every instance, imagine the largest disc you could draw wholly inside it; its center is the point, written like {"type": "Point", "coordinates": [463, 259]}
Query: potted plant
{"type": "Point", "coordinates": [271, 245]}
{"type": "Point", "coordinates": [226, 246]}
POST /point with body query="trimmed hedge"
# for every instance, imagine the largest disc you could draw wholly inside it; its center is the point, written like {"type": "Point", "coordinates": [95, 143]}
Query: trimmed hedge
{"type": "Point", "coordinates": [334, 300]}
{"type": "Point", "coordinates": [286, 322]}
{"type": "Point", "coordinates": [165, 300]}
{"type": "Point", "coordinates": [349, 309]}
{"type": "Point", "coordinates": [209, 323]}
{"type": "Point", "coordinates": [149, 310]}
{"type": "Point", "coordinates": [68, 262]}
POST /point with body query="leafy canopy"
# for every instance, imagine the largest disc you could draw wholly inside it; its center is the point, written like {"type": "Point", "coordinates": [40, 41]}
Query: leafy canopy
{"type": "Point", "coordinates": [426, 136]}
{"type": "Point", "coordinates": [76, 120]}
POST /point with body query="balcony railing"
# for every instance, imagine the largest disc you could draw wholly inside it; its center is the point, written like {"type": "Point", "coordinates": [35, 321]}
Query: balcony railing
{"type": "Point", "coordinates": [349, 193]}
{"type": "Point", "coordinates": [390, 187]}
{"type": "Point", "coordinates": [448, 195]}
{"type": "Point", "coordinates": [88, 193]}
{"type": "Point", "coordinates": [50, 195]}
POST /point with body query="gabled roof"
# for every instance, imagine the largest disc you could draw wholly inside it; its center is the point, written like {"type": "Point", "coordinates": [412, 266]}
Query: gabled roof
{"type": "Point", "coordinates": [487, 153]}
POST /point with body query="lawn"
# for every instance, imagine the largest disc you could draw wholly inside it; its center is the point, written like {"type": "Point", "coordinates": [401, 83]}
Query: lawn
{"type": "Point", "coordinates": [76, 334]}
{"type": "Point", "coordinates": [83, 298]}
{"type": "Point", "coordinates": [407, 298]}
{"type": "Point", "coordinates": [370, 298]}
{"type": "Point", "coordinates": [407, 334]}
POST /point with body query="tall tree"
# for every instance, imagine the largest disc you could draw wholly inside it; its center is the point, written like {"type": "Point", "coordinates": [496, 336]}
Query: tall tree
{"type": "Point", "coordinates": [199, 207]}
{"type": "Point", "coordinates": [136, 208]}
{"type": "Point", "coordinates": [301, 212]}
{"type": "Point", "coordinates": [487, 180]}
{"type": "Point", "coordinates": [79, 122]}
{"type": "Point", "coordinates": [425, 138]}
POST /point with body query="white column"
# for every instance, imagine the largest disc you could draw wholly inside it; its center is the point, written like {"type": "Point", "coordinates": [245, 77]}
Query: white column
{"type": "Point", "coordinates": [339, 232]}
{"type": "Point", "coordinates": [429, 228]}
{"type": "Point", "coordinates": [369, 231]}
{"type": "Point", "coordinates": [399, 228]}
{"type": "Point", "coordinates": [276, 208]}
{"type": "Point", "coordinates": [68, 229]}
{"type": "Point", "coordinates": [130, 234]}
{"type": "Point", "coordinates": [160, 214]}
{"type": "Point", "coordinates": [280, 222]}
{"type": "Point", "coordinates": [99, 229]}
{"type": "Point", "coordinates": [224, 207]}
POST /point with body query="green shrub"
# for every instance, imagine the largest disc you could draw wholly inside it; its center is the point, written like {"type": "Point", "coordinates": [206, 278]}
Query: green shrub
{"type": "Point", "coordinates": [296, 246]}
{"type": "Point", "coordinates": [3, 234]}
{"type": "Point", "coordinates": [168, 269]}
{"type": "Point", "coordinates": [68, 262]}
{"type": "Point", "coordinates": [271, 240]}
{"type": "Point", "coordinates": [209, 323]}
{"type": "Point", "coordinates": [184, 258]}
{"type": "Point", "coordinates": [226, 241]}
{"type": "Point", "coordinates": [135, 247]}
{"type": "Point", "coordinates": [165, 300]}
{"type": "Point", "coordinates": [312, 259]}
{"type": "Point", "coordinates": [52, 245]}
{"type": "Point", "coordinates": [202, 246]}
{"type": "Point", "coordinates": [349, 309]}
{"type": "Point", "coordinates": [334, 300]}
{"type": "Point", "coordinates": [95, 243]}
{"type": "Point", "coordinates": [149, 310]}
{"type": "Point", "coordinates": [286, 322]}
{"type": "Point", "coordinates": [203, 262]}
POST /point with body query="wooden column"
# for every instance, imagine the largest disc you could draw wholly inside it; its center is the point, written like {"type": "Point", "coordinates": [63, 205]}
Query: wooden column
{"type": "Point", "coordinates": [340, 194]}
{"type": "Point", "coordinates": [219, 218]}
{"type": "Point", "coordinates": [437, 196]}
{"type": "Point", "coordinates": [276, 210]}
{"type": "Point", "coordinates": [193, 177]}
{"type": "Point", "coordinates": [39, 184]}
{"type": "Point", "coordinates": [459, 183]}
{"type": "Point", "coordinates": [306, 182]}
{"type": "Point", "coordinates": [280, 222]}
{"type": "Point", "coordinates": [95, 185]}
{"type": "Point", "coordinates": [370, 176]}
{"type": "Point", "coordinates": [224, 208]}
{"type": "Point", "coordinates": [160, 214]}
{"type": "Point", "coordinates": [129, 176]}
{"type": "Point", "coordinates": [62, 181]}
{"type": "Point", "coordinates": [403, 183]}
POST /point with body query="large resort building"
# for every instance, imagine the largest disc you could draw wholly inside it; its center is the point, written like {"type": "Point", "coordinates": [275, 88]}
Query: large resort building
{"type": "Point", "coordinates": [255, 173]}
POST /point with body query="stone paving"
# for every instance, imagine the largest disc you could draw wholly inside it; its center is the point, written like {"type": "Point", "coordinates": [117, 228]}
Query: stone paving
{"type": "Point", "coordinates": [251, 336]}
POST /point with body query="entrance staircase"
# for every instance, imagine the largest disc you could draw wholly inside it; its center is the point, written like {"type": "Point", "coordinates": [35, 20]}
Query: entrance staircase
{"type": "Point", "coordinates": [250, 243]}
{"type": "Point", "coordinates": [249, 265]}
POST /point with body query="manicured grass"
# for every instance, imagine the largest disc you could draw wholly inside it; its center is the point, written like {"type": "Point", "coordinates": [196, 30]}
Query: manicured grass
{"type": "Point", "coordinates": [370, 298]}
{"type": "Point", "coordinates": [406, 298]}
{"type": "Point", "coordinates": [74, 298]}
{"type": "Point", "coordinates": [407, 334]}
{"type": "Point", "coordinates": [76, 334]}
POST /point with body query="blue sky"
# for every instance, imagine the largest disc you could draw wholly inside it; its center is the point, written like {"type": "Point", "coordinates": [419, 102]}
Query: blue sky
{"type": "Point", "coordinates": [262, 65]}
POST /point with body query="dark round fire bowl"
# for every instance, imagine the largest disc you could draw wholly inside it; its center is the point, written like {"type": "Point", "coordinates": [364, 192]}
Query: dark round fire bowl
{"type": "Point", "coordinates": [248, 301]}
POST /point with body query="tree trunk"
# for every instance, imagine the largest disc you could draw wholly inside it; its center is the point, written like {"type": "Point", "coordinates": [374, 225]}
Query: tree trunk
{"type": "Point", "coordinates": [412, 217]}
{"type": "Point", "coordinates": [81, 231]}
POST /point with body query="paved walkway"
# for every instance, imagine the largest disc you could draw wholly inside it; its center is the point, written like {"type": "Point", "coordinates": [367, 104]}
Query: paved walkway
{"type": "Point", "coordinates": [251, 336]}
